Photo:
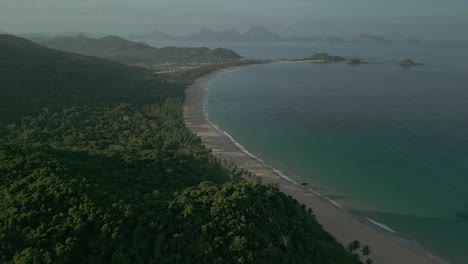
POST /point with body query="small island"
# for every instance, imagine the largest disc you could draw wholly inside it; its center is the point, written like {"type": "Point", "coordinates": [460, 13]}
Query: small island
{"type": "Point", "coordinates": [408, 63]}
{"type": "Point", "coordinates": [354, 61]}
{"type": "Point", "coordinates": [325, 57]}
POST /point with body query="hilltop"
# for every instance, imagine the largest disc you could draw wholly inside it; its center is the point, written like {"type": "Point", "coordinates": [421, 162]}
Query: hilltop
{"type": "Point", "coordinates": [122, 50]}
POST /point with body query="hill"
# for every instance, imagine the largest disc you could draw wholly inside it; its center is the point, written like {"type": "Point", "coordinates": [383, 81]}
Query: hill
{"type": "Point", "coordinates": [105, 171]}
{"type": "Point", "coordinates": [334, 39]}
{"type": "Point", "coordinates": [206, 34]}
{"type": "Point", "coordinates": [325, 57]}
{"type": "Point", "coordinates": [261, 34]}
{"type": "Point", "coordinates": [253, 34]}
{"type": "Point", "coordinates": [370, 39]}
{"type": "Point", "coordinates": [33, 76]}
{"type": "Point", "coordinates": [122, 50]}
{"type": "Point", "coordinates": [154, 35]}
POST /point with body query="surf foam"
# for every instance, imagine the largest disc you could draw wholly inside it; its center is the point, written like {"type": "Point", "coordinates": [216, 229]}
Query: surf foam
{"type": "Point", "coordinates": [381, 225]}
{"type": "Point", "coordinates": [242, 148]}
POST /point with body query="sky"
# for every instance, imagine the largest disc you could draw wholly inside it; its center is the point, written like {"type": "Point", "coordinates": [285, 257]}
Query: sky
{"type": "Point", "coordinates": [428, 19]}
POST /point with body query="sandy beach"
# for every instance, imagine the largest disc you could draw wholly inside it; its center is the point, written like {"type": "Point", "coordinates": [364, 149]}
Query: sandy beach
{"type": "Point", "coordinates": [387, 248]}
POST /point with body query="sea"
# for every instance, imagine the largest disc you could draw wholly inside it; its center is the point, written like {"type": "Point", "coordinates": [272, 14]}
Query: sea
{"type": "Point", "coordinates": [387, 143]}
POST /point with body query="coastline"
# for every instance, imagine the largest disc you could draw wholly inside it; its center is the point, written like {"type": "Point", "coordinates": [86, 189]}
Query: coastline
{"type": "Point", "coordinates": [386, 246]}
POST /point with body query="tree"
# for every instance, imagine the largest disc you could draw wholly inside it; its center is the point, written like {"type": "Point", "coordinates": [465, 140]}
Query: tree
{"type": "Point", "coordinates": [366, 251]}
{"type": "Point", "coordinates": [354, 246]}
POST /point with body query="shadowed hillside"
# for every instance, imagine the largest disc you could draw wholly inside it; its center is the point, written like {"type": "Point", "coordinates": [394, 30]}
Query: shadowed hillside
{"type": "Point", "coordinates": [33, 76]}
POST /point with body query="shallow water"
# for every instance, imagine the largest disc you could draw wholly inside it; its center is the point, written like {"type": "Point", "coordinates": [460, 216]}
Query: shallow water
{"type": "Point", "coordinates": [390, 143]}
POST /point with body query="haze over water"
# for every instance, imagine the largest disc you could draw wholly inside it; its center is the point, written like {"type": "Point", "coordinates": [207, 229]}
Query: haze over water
{"type": "Point", "coordinates": [387, 142]}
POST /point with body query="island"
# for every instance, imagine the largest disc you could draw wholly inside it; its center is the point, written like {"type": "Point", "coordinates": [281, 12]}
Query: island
{"type": "Point", "coordinates": [408, 63]}
{"type": "Point", "coordinates": [370, 39]}
{"type": "Point", "coordinates": [324, 57]}
{"type": "Point", "coordinates": [354, 61]}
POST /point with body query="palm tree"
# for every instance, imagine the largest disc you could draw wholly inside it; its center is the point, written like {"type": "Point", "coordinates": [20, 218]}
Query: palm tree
{"type": "Point", "coordinates": [366, 251]}
{"type": "Point", "coordinates": [353, 246]}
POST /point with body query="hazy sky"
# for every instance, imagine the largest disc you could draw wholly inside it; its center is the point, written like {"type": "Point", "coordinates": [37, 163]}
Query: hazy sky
{"type": "Point", "coordinates": [429, 19]}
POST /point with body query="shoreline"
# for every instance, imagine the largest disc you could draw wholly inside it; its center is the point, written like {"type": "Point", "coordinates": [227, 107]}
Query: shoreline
{"type": "Point", "coordinates": [386, 246]}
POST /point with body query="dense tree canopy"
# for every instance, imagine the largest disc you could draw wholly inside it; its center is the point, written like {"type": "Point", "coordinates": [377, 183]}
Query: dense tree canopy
{"type": "Point", "coordinates": [124, 181]}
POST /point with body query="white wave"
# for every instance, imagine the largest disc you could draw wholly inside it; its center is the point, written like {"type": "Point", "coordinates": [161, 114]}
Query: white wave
{"type": "Point", "coordinates": [383, 226]}
{"type": "Point", "coordinates": [205, 114]}
{"type": "Point", "coordinates": [207, 85]}
{"type": "Point", "coordinates": [331, 201]}
{"type": "Point", "coordinates": [282, 175]}
{"type": "Point", "coordinates": [324, 197]}
{"type": "Point", "coordinates": [242, 148]}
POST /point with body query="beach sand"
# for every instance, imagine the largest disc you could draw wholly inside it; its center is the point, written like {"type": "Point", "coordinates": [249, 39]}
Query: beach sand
{"type": "Point", "coordinates": [386, 247]}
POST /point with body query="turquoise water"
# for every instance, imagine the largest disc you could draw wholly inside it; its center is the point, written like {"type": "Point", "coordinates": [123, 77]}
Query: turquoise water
{"type": "Point", "coordinates": [390, 143]}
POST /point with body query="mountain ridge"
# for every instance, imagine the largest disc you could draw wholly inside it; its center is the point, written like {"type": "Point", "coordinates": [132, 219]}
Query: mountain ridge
{"type": "Point", "coordinates": [257, 34]}
{"type": "Point", "coordinates": [122, 50]}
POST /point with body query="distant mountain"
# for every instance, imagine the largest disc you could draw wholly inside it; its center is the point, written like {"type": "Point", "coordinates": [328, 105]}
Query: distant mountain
{"type": "Point", "coordinates": [395, 36]}
{"type": "Point", "coordinates": [154, 35]}
{"type": "Point", "coordinates": [370, 39]}
{"type": "Point", "coordinates": [206, 34]}
{"type": "Point", "coordinates": [261, 34]}
{"type": "Point", "coordinates": [301, 39]}
{"type": "Point", "coordinates": [254, 34]}
{"type": "Point", "coordinates": [122, 50]}
{"type": "Point", "coordinates": [334, 39]}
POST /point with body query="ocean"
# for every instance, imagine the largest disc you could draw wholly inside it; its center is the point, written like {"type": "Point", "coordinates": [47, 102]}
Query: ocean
{"type": "Point", "coordinates": [388, 143]}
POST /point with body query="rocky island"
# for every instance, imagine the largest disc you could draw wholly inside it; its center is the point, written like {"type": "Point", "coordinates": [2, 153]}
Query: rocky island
{"type": "Point", "coordinates": [325, 57]}
{"type": "Point", "coordinates": [408, 63]}
{"type": "Point", "coordinates": [354, 61]}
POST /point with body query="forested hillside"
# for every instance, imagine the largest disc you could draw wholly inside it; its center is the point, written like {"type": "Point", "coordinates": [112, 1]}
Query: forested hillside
{"type": "Point", "coordinates": [96, 166]}
{"type": "Point", "coordinates": [122, 50]}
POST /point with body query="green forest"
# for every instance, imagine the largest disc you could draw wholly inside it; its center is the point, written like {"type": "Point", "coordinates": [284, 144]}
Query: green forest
{"type": "Point", "coordinates": [97, 166]}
